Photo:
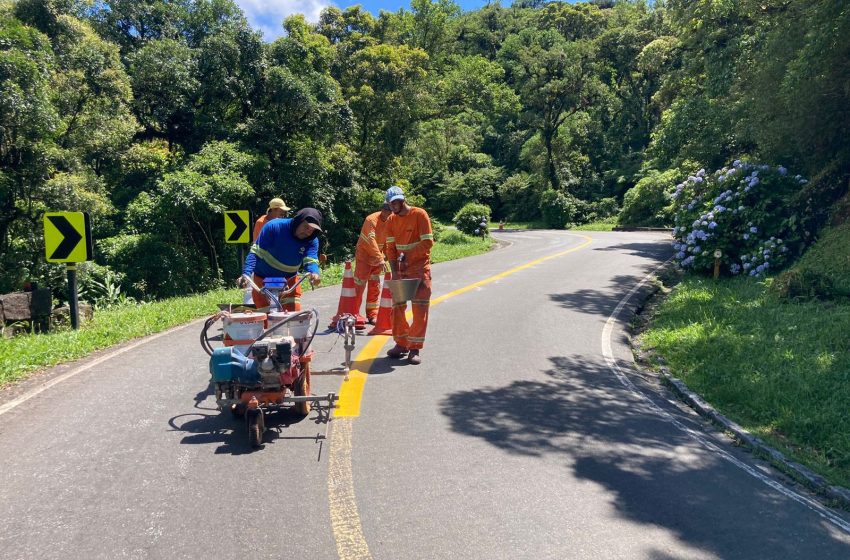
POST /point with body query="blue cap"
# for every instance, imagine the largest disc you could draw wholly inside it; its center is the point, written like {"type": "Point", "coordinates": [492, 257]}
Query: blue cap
{"type": "Point", "coordinates": [394, 193]}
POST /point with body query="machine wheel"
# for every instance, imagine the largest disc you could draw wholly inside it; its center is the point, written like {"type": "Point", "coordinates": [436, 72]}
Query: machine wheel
{"type": "Point", "coordinates": [302, 389]}
{"type": "Point", "coordinates": [256, 426]}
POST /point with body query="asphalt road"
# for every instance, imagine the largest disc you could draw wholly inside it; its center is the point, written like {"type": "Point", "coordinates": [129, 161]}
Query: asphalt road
{"type": "Point", "coordinates": [525, 433]}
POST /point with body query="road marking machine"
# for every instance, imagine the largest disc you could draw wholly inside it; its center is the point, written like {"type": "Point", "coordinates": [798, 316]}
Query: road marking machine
{"type": "Point", "coordinates": [264, 365]}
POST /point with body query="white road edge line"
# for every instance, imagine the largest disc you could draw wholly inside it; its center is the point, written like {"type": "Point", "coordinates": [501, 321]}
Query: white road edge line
{"type": "Point", "coordinates": [67, 375]}
{"type": "Point", "coordinates": [627, 383]}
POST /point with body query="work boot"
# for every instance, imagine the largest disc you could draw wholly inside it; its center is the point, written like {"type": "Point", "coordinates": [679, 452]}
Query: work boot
{"type": "Point", "coordinates": [370, 320]}
{"type": "Point", "coordinates": [397, 351]}
{"type": "Point", "coordinates": [414, 358]}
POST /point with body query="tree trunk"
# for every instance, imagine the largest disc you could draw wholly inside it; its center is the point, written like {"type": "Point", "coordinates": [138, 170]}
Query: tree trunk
{"type": "Point", "coordinates": [550, 159]}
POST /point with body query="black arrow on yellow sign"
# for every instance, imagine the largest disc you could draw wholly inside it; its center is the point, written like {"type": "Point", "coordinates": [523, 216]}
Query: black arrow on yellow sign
{"type": "Point", "coordinates": [67, 237]}
{"type": "Point", "coordinates": [239, 220]}
{"type": "Point", "coordinates": [71, 237]}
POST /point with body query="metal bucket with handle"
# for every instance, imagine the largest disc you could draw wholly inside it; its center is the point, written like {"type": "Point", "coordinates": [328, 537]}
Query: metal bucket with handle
{"type": "Point", "coordinates": [403, 290]}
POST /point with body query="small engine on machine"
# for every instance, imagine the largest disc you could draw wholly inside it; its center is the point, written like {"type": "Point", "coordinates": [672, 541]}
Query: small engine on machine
{"type": "Point", "coordinates": [276, 361]}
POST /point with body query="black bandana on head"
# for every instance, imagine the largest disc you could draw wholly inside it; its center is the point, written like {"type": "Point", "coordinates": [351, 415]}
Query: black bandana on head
{"type": "Point", "coordinates": [308, 215]}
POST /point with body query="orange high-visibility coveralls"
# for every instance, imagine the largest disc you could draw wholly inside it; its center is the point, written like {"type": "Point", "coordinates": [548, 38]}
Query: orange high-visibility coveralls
{"type": "Point", "coordinates": [411, 235]}
{"type": "Point", "coordinates": [369, 262]}
{"type": "Point", "coordinates": [258, 226]}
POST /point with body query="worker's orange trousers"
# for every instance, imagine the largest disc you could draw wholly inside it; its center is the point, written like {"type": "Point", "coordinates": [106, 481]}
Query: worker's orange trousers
{"type": "Point", "coordinates": [367, 276]}
{"type": "Point", "coordinates": [290, 302]}
{"type": "Point", "coordinates": [413, 335]}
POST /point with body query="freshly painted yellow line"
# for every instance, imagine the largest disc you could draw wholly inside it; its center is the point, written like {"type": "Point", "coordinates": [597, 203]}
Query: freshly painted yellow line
{"type": "Point", "coordinates": [351, 392]}
{"type": "Point", "coordinates": [345, 518]}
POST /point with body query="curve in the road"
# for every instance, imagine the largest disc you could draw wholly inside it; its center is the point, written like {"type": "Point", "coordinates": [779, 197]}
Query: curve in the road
{"type": "Point", "coordinates": [624, 380]}
{"type": "Point", "coordinates": [347, 530]}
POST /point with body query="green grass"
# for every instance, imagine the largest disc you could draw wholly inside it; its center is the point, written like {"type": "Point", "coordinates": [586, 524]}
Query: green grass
{"type": "Point", "coordinates": [601, 225]}
{"type": "Point", "coordinates": [519, 225]}
{"type": "Point", "coordinates": [824, 270]}
{"type": "Point", "coordinates": [23, 354]}
{"type": "Point", "coordinates": [472, 246]}
{"type": "Point", "coordinates": [781, 369]}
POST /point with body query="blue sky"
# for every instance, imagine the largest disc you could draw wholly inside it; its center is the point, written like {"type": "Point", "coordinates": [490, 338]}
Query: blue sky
{"type": "Point", "coordinates": [267, 15]}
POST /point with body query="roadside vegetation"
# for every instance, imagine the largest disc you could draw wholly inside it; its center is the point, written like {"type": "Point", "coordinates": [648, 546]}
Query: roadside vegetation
{"type": "Point", "coordinates": [25, 353]}
{"type": "Point", "coordinates": [772, 352]}
{"type": "Point", "coordinates": [778, 367]}
{"type": "Point", "coordinates": [601, 225]}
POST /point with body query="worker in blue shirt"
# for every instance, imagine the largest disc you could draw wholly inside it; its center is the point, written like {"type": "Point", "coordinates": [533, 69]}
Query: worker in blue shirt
{"type": "Point", "coordinates": [283, 248]}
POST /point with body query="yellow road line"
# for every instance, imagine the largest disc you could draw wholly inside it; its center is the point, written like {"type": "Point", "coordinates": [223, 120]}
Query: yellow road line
{"type": "Point", "coordinates": [352, 390]}
{"type": "Point", "coordinates": [345, 518]}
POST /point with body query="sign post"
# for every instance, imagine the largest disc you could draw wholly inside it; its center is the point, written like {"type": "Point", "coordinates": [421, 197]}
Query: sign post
{"type": "Point", "coordinates": [67, 239]}
{"type": "Point", "coordinates": [717, 254]}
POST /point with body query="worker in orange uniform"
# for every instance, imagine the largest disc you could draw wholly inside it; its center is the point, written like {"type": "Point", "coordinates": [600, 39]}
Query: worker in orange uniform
{"type": "Point", "coordinates": [369, 261]}
{"type": "Point", "coordinates": [277, 209]}
{"type": "Point", "coordinates": [408, 249]}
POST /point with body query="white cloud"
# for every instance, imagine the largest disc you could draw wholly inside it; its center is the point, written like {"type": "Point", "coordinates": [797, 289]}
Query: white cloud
{"type": "Point", "coordinates": [268, 15]}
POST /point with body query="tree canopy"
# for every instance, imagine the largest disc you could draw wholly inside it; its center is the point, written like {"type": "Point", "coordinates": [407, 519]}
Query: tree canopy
{"type": "Point", "coordinates": [156, 115]}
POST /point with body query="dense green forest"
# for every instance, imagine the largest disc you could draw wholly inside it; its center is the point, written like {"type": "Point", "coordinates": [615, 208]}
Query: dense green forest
{"type": "Point", "coordinates": [156, 115]}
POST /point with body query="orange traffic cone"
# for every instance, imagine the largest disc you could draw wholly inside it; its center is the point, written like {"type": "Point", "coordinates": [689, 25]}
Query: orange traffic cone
{"type": "Point", "coordinates": [384, 322]}
{"type": "Point", "coordinates": [347, 305]}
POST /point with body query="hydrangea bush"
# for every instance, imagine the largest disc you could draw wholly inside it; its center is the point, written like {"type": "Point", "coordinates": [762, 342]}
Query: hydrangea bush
{"type": "Point", "coordinates": [743, 211]}
{"type": "Point", "coordinates": [473, 219]}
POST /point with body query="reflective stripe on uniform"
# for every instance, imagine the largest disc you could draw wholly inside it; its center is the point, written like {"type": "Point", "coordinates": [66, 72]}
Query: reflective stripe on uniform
{"type": "Point", "coordinates": [375, 278]}
{"type": "Point", "coordinates": [273, 262]}
{"type": "Point", "coordinates": [310, 260]}
{"type": "Point", "coordinates": [371, 306]}
{"type": "Point", "coordinates": [390, 239]}
{"type": "Point", "coordinates": [407, 247]}
{"type": "Point", "coordinates": [426, 236]}
{"type": "Point", "coordinates": [359, 282]}
{"type": "Point", "coordinates": [420, 301]}
{"type": "Point", "coordinates": [419, 339]}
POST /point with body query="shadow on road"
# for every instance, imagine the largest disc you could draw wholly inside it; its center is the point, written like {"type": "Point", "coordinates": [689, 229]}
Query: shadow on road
{"type": "Point", "coordinates": [607, 435]}
{"type": "Point", "coordinates": [599, 301]}
{"type": "Point", "coordinates": [230, 432]}
{"type": "Point", "coordinates": [656, 251]}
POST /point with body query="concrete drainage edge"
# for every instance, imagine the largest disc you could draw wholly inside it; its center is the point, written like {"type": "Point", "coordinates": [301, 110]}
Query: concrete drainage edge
{"type": "Point", "coordinates": [810, 479]}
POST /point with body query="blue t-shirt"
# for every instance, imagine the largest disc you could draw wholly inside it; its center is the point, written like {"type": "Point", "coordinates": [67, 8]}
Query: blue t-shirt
{"type": "Point", "coordinates": [277, 252]}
